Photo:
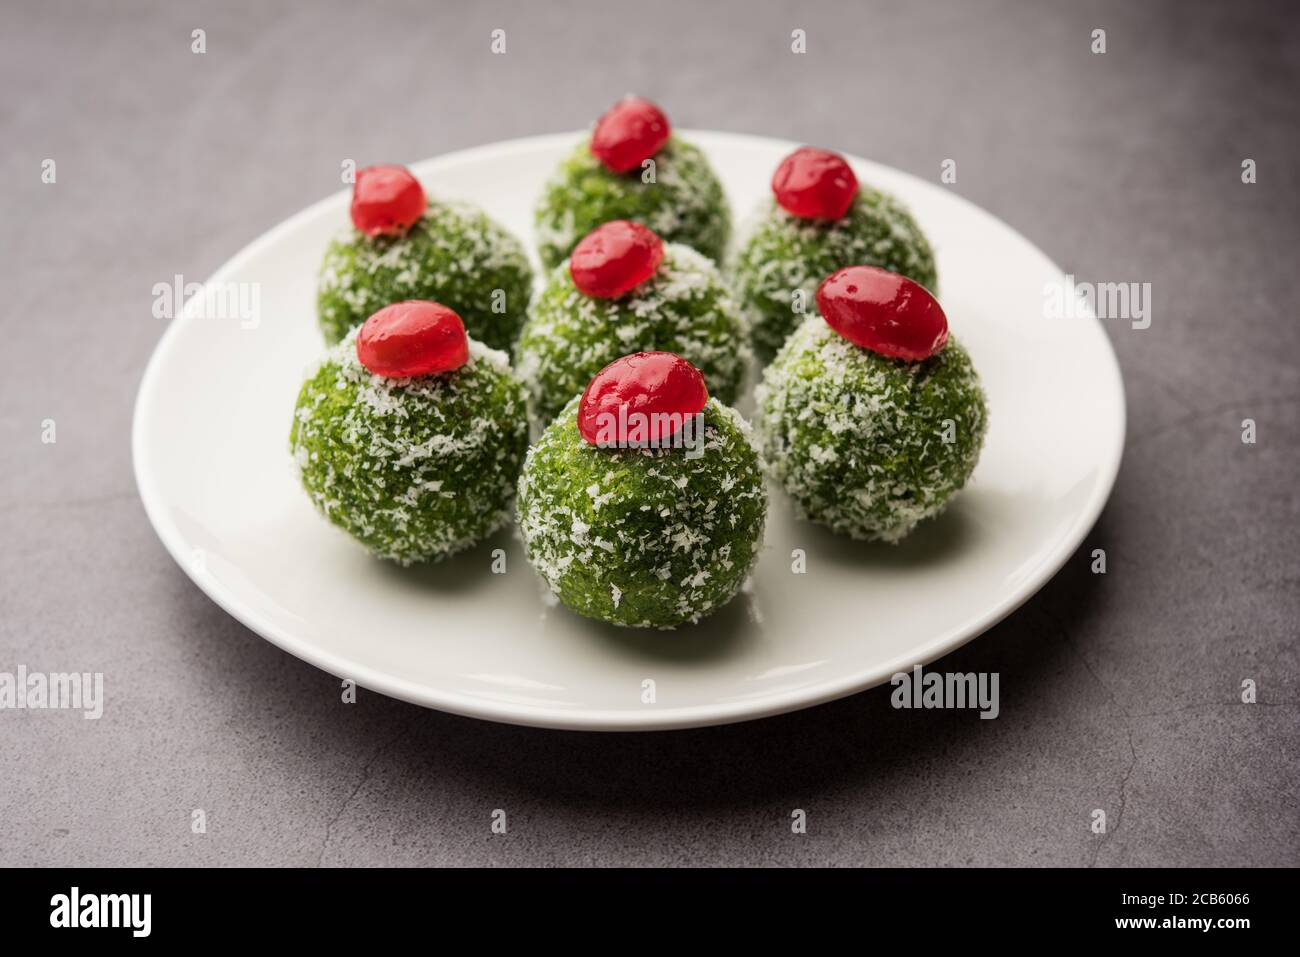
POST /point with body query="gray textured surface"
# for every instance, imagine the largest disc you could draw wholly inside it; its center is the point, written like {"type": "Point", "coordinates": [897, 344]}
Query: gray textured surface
{"type": "Point", "coordinates": [1119, 692]}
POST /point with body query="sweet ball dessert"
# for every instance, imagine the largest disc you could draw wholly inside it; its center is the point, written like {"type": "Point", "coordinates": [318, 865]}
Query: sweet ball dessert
{"type": "Point", "coordinates": [643, 503]}
{"type": "Point", "coordinates": [609, 176]}
{"type": "Point", "coordinates": [409, 435]}
{"type": "Point", "coordinates": [625, 290]}
{"type": "Point", "coordinates": [872, 416]}
{"type": "Point", "coordinates": [819, 219]}
{"type": "Point", "coordinates": [404, 245]}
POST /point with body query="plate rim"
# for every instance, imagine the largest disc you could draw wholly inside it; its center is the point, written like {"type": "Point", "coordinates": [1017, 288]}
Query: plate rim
{"type": "Point", "coordinates": [541, 716]}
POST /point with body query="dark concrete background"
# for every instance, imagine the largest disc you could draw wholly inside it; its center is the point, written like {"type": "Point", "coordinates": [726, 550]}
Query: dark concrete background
{"type": "Point", "coordinates": [1118, 692]}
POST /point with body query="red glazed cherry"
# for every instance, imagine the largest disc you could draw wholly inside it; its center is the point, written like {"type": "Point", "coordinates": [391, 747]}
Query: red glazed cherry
{"type": "Point", "coordinates": [412, 338]}
{"type": "Point", "coordinates": [884, 312]}
{"type": "Point", "coordinates": [615, 258]}
{"type": "Point", "coordinates": [815, 184]}
{"type": "Point", "coordinates": [386, 200]}
{"type": "Point", "coordinates": [640, 399]}
{"type": "Point", "coordinates": [632, 131]}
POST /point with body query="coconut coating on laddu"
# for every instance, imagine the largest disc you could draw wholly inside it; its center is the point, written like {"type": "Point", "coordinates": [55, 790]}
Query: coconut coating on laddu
{"type": "Point", "coordinates": [643, 537]}
{"type": "Point", "coordinates": [415, 469]}
{"type": "Point", "coordinates": [784, 253]}
{"type": "Point", "coordinates": [866, 444]}
{"type": "Point", "coordinates": [684, 204]}
{"type": "Point", "coordinates": [684, 308]}
{"type": "Point", "coordinates": [455, 255]}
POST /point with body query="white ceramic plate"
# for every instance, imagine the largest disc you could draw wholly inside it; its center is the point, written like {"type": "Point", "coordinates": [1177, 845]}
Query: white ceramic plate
{"type": "Point", "coordinates": [211, 459]}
